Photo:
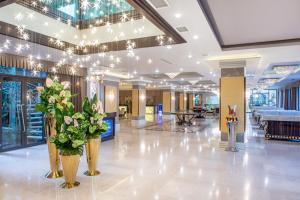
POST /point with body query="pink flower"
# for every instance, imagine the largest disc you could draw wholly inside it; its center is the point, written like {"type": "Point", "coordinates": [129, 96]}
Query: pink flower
{"type": "Point", "coordinates": [64, 101]}
{"type": "Point", "coordinates": [68, 120]}
{"type": "Point", "coordinates": [51, 100]}
{"type": "Point", "coordinates": [40, 89]}
{"type": "Point", "coordinates": [76, 123]}
{"type": "Point", "coordinates": [49, 82]}
{"type": "Point", "coordinates": [62, 93]}
{"type": "Point", "coordinates": [66, 84]}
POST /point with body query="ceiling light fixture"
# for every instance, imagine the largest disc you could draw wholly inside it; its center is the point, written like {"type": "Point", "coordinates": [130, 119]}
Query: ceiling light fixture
{"type": "Point", "coordinates": [178, 15]}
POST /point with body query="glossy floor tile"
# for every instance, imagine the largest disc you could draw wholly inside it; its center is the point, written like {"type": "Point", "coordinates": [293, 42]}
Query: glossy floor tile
{"type": "Point", "coordinates": [158, 163]}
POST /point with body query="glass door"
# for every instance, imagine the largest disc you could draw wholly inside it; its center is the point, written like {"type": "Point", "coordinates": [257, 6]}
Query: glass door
{"type": "Point", "coordinates": [20, 124]}
{"type": "Point", "coordinates": [34, 123]}
{"type": "Point", "coordinates": [12, 115]}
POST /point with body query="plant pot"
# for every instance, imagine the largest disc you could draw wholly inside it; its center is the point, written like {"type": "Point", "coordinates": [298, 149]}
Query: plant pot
{"type": "Point", "coordinates": [70, 165]}
{"type": "Point", "coordinates": [54, 160]}
{"type": "Point", "coordinates": [92, 154]}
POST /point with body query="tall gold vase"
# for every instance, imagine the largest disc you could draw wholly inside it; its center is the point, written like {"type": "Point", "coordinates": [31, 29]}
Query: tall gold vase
{"type": "Point", "coordinates": [70, 168]}
{"type": "Point", "coordinates": [92, 153]}
{"type": "Point", "coordinates": [50, 130]}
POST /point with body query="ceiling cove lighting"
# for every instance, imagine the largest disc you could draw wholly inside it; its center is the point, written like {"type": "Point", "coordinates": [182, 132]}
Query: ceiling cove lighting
{"type": "Point", "coordinates": [234, 57]}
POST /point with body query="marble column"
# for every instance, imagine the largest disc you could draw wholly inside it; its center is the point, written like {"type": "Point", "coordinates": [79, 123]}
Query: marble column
{"type": "Point", "coordinates": [182, 101]}
{"type": "Point", "coordinates": [168, 101]}
{"type": "Point", "coordinates": [138, 105]}
{"type": "Point", "coordinates": [191, 101]}
{"type": "Point", "coordinates": [233, 92]}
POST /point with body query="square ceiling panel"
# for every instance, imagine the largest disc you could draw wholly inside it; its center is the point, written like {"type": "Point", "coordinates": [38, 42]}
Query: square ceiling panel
{"type": "Point", "coordinates": [259, 22]}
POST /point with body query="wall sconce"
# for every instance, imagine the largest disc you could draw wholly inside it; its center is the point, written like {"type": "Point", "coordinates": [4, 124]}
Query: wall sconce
{"type": "Point", "coordinates": [173, 98]}
{"type": "Point", "coordinates": [185, 98]}
{"type": "Point", "coordinates": [111, 96]}
{"type": "Point", "coordinates": [142, 97]}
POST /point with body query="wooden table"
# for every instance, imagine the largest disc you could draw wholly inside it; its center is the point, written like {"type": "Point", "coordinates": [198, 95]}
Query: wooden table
{"type": "Point", "coordinates": [185, 117]}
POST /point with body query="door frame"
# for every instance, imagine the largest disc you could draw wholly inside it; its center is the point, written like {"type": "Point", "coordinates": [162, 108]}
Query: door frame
{"type": "Point", "coordinates": [23, 80]}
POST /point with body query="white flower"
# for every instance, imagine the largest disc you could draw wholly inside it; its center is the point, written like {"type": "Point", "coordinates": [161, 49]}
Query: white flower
{"type": "Point", "coordinates": [68, 120]}
{"type": "Point", "coordinates": [51, 100]}
{"type": "Point", "coordinates": [76, 123]}
{"type": "Point", "coordinates": [100, 107]}
{"type": "Point", "coordinates": [64, 101]}
{"type": "Point", "coordinates": [40, 89]}
{"type": "Point", "coordinates": [100, 122]}
{"type": "Point", "coordinates": [62, 93]}
{"type": "Point", "coordinates": [92, 120]}
{"type": "Point", "coordinates": [49, 82]}
{"type": "Point", "coordinates": [66, 84]}
{"type": "Point", "coordinates": [94, 107]}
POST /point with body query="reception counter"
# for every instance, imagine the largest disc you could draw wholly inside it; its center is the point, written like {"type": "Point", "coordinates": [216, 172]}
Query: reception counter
{"type": "Point", "coordinates": [110, 119]}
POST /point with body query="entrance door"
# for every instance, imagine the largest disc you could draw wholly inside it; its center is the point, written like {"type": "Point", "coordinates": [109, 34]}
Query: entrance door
{"type": "Point", "coordinates": [20, 124]}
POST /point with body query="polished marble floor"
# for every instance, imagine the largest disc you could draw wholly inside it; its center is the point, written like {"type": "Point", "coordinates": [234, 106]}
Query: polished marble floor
{"type": "Point", "coordinates": [155, 163]}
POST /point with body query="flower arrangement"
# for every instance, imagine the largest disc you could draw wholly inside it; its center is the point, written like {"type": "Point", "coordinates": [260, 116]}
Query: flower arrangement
{"type": "Point", "coordinates": [70, 126]}
{"type": "Point", "coordinates": [55, 99]}
{"type": "Point", "coordinates": [71, 136]}
{"type": "Point", "coordinates": [93, 112]}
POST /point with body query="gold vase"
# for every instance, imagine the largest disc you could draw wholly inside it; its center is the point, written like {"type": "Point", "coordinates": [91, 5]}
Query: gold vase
{"type": "Point", "coordinates": [50, 130]}
{"type": "Point", "coordinates": [92, 153]}
{"type": "Point", "coordinates": [70, 168]}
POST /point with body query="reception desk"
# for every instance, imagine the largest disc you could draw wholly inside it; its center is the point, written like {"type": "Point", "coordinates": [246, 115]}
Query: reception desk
{"type": "Point", "coordinates": [110, 119]}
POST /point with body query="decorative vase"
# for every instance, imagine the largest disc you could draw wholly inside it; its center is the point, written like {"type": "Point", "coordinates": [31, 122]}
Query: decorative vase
{"type": "Point", "coordinates": [70, 165]}
{"type": "Point", "coordinates": [92, 153]}
{"type": "Point", "coordinates": [50, 130]}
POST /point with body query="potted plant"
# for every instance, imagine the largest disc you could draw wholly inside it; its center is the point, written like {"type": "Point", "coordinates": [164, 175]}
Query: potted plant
{"type": "Point", "coordinates": [93, 112]}
{"type": "Point", "coordinates": [70, 140]}
{"type": "Point", "coordinates": [53, 97]}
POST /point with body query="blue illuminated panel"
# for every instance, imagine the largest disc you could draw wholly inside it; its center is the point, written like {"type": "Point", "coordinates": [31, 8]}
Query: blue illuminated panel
{"type": "Point", "coordinates": [110, 133]}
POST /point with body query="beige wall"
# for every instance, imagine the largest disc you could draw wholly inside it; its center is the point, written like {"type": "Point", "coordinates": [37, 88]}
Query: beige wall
{"type": "Point", "coordinates": [111, 99]}
{"type": "Point", "coordinates": [191, 101]}
{"type": "Point", "coordinates": [168, 101]}
{"type": "Point", "coordinates": [138, 103]}
{"type": "Point", "coordinates": [232, 92]}
{"type": "Point", "coordinates": [181, 101]}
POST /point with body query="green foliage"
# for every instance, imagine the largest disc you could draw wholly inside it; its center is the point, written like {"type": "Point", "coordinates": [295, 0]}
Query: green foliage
{"type": "Point", "coordinates": [93, 113]}
{"type": "Point", "coordinates": [71, 136]}
{"type": "Point", "coordinates": [70, 126]}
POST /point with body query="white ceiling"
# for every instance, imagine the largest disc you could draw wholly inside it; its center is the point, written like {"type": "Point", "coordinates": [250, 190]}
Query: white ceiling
{"type": "Point", "coordinates": [256, 21]}
{"type": "Point", "coordinates": [202, 49]}
{"type": "Point", "coordinates": [53, 28]}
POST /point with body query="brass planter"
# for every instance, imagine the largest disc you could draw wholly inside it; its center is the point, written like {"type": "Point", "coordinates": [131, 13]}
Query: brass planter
{"type": "Point", "coordinates": [70, 167]}
{"type": "Point", "coordinates": [50, 130]}
{"type": "Point", "coordinates": [92, 154]}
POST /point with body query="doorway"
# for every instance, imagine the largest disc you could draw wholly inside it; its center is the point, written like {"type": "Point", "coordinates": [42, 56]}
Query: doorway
{"type": "Point", "coordinates": [20, 125]}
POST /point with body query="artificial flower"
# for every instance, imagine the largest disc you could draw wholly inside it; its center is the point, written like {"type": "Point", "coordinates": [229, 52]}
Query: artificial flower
{"type": "Point", "coordinates": [66, 84]}
{"type": "Point", "coordinates": [51, 100]}
{"type": "Point", "coordinates": [64, 101]}
{"type": "Point", "coordinates": [68, 120]}
{"type": "Point", "coordinates": [49, 82]}
{"type": "Point", "coordinates": [76, 123]}
{"type": "Point", "coordinates": [40, 89]}
{"type": "Point", "coordinates": [100, 107]}
{"type": "Point", "coordinates": [62, 93]}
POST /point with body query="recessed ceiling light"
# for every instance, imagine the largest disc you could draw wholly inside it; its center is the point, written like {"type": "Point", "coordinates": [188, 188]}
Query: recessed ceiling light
{"type": "Point", "coordinates": [196, 37]}
{"type": "Point", "coordinates": [178, 15]}
{"type": "Point", "coordinates": [198, 62]}
{"type": "Point", "coordinates": [149, 61]}
{"type": "Point", "coordinates": [181, 69]}
{"type": "Point", "coordinates": [190, 56]}
{"type": "Point", "coordinates": [156, 71]}
{"type": "Point", "coordinates": [135, 72]}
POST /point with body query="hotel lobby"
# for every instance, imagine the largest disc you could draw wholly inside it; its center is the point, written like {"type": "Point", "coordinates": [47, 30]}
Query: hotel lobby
{"type": "Point", "coordinates": [149, 99]}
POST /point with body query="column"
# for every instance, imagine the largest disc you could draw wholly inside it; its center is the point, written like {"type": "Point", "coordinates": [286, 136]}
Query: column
{"type": "Point", "coordinates": [182, 101]}
{"type": "Point", "coordinates": [191, 101]}
{"type": "Point", "coordinates": [138, 105]}
{"type": "Point", "coordinates": [109, 95]}
{"type": "Point", "coordinates": [168, 101]}
{"type": "Point", "coordinates": [233, 92]}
